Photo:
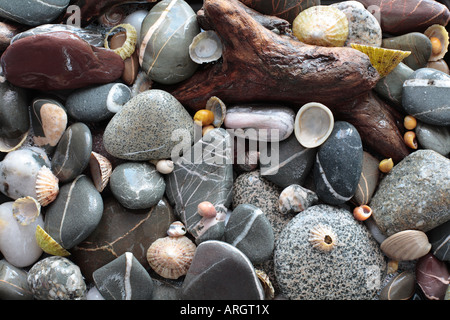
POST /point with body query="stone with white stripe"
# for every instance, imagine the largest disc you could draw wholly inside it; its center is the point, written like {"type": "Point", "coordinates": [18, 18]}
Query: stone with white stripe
{"type": "Point", "coordinates": [425, 96]}
{"type": "Point", "coordinates": [32, 12]}
{"type": "Point", "coordinates": [338, 165]}
{"type": "Point", "coordinates": [250, 231]}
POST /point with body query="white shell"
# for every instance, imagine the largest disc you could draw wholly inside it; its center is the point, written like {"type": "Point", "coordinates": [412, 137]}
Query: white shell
{"type": "Point", "coordinates": [176, 229]}
{"type": "Point", "coordinates": [406, 245]}
{"type": "Point", "coordinates": [26, 210]}
{"type": "Point", "coordinates": [205, 47]}
{"type": "Point", "coordinates": [164, 166]}
{"type": "Point", "coordinates": [313, 124]}
{"type": "Point", "coordinates": [219, 110]}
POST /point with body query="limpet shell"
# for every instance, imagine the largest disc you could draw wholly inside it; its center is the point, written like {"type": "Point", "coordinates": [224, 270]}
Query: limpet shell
{"type": "Point", "coordinates": [218, 108]}
{"type": "Point", "coordinates": [7, 144]}
{"type": "Point", "coordinates": [47, 186]}
{"type": "Point", "coordinates": [48, 244]}
{"type": "Point", "coordinates": [383, 60]}
{"type": "Point", "coordinates": [321, 26]}
{"type": "Point", "coordinates": [26, 210]}
{"type": "Point", "coordinates": [440, 33]}
{"type": "Point", "coordinates": [171, 257]}
{"type": "Point", "coordinates": [101, 169]}
{"type": "Point", "coordinates": [313, 124]}
{"type": "Point", "coordinates": [129, 46]}
{"type": "Point", "coordinates": [205, 47]}
{"type": "Point", "coordinates": [406, 245]}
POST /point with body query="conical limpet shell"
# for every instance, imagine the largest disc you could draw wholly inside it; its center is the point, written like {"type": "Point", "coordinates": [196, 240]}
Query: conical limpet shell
{"type": "Point", "coordinates": [323, 238]}
{"type": "Point", "coordinates": [219, 110]}
{"type": "Point", "coordinates": [383, 60]}
{"type": "Point", "coordinates": [7, 145]}
{"type": "Point", "coordinates": [129, 46]}
{"type": "Point", "coordinates": [101, 169]}
{"type": "Point", "coordinates": [171, 257]}
{"type": "Point", "coordinates": [438, 36]}
{"type": "Point", "coordinates": [47, 187]}
{"type": "Point", "coordinates": [205, 47]}
{"type": "Point", "coordinates": [313, 124]}
{"type": "Point", "coordinates": [48, 244]}
{"type": "Point", "coordinates": [406, 245]}
{"type": "Point", "coordinates": [26, 210]}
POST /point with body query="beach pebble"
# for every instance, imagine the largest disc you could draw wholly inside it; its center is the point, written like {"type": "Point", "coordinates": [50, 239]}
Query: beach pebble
{"type": "Point", "coordinates": [149, 126]}
{"type": "Point", "coordinates": [338, 165]}
{"type": "Point", "coordinates": [311, 272]}
{"type": "Point", "coordinates": [295, 199]}
{"type": "Point", "coordinates": [217, 264]}
{"type": "Point", "coordinates": [13, 282]}
{"type": "Point", "coordinates": [56, 278]}
{"type": "Point", "coordinates": [119, 231]}
{"type": "Point", "coordinates": [34, 12]}
{"type": "Point", "coordinates": [124, 278]}
{"type": "Point", "coordinates": [390, 87]}
{"type": "Point", "coordinates": [75, 213]}
{"type": "Point", "coordinates": [400, 287]}
{"type": "Point", "coordinates": [97, 103]}
{"type": "Point", "coordinates": [250, 231]}
{"type": "Point", "coordinates": [425, 95]}
{"type": "Point", "coordinates": [14, 117]}
{"type": "Point", "coordinates": [440, 241]}
{"type": "Point", "coordinates": [368, 181]}
{"type": "Point", "coordinates": [18, 242]}
{"type": "Point", "coordinates": [72, 153]}
{"type": "Point", "coordinates": [137, 185]}
{"type": "Point", "coordinates": [420, 180]}
{"type": "Point", "coordinates": [432, 276]}
{"type": "Point", "coordinates": [436, 138]}
{"type": "Point", "coordinates": [417, 43]}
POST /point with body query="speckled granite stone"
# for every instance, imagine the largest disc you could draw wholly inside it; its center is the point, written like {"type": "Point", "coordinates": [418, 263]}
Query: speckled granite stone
{"type": "Point", "coordinates": [352, 270]}
{"type": "Point", "coordinates": [414, 195]}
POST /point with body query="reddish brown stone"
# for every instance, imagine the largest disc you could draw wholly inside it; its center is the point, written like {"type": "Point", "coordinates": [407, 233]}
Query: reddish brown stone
{"type": "Point", "coordinates": [59, 60]}
{"type": "Point", "coordinates": [432, 276]}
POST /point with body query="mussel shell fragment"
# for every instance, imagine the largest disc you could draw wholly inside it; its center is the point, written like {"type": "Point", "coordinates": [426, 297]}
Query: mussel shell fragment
{"type": "Point", "coordinates": [314, 123]}
{"type": "Point", "coordinates": [48, 244]}
{"type": "Point", "coordinates": [205, 47]}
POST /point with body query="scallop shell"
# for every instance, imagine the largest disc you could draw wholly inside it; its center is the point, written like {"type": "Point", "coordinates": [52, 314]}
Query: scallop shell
{"type": "Point", "coordinates": [218, 108]}
{"type": "Point", "coordinates": [383, 60]}
{"type": "Point", "coordinates": [129, 46]}
{"type": "Point", "coordinates": [323, 238]}
{"type": "Point", "coordinates": [47, 187]}
{"type": "Point", "coordinates": [321, 26]}
{"type": "Point", "coordinates": [205, 47]}
{"type": "Point", "coordinates": [48, 244]}
{"type": "Point", "coordinates": [313, 124]}
{"type": "Point", "coordinates": [406, 245]}
{"type": "Point", "coordinates": [26, 210]}
{"type": "Point", "coordinates": [171, 257]}
{"type": "Point", "coordinates": [101, 169]}
{"type": "Point", "coordinates": [441, 33]}
{"type": "Point", "coordinates": [7, 145]}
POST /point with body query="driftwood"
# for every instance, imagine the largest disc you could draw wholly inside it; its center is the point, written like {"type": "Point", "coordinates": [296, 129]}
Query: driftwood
{"type": "Point", "coordinates": [260, 65]}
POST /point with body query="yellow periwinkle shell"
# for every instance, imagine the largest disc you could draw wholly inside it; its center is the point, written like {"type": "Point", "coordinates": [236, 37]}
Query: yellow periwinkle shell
{"type": "Point", "coordinates": [321, 26]}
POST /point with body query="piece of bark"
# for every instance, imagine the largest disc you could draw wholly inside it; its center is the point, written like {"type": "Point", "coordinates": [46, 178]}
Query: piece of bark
{"type": "Point", "coordinates": [260, 65]}
{"type": "Point", "coordinates": [379, 125]}
{"type": "Point", "coordinates": [401, 16]}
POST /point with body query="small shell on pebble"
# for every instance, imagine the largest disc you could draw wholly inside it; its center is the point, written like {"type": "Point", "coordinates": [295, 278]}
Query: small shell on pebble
{"type": "Point", "coordinates": [164, 166]}
{"type": "Point", "coordinates": [204, 117]}
{"type": "Point", "coordinates": [48, 244]}
{"type": "Point", "coordinates": [410, 139]}
{"type": "Point", "coordinates": [129, 46]}
{"type": "Point", "coordinates": [26, 210]}
{"type": "Point", "coordinates": [205, 47]}
{"type": "Point", "coordinates": [439, 38]}
{"type": "Point", "coordinates": [219, 110]}
{"type": "Point", "coordinates": [409, 122]}
{"type": "Point", "coordinates": [269, 290]}
{"type": "Point", "coordinates": [323, 238]}
{"type": "Point", "coordinates": [101, 169]}
{"type": "Point", "coordinates": [314, 123]}
{"type": "Point", "coordinates": [171, 257]}
{"type": "Point", "coordinates": [47, 186]}
{"type": "Point", "coordinates": [206, 209]}
{"type": "Point", "coordinates": [176, 229]}
{"type": "Point", "coordinates": [406, 245]}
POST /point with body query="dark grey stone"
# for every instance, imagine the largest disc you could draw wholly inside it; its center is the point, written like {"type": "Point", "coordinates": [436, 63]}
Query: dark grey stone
{"type": "Point", "coordinates": [338, 165]}
{"type": "Point", "coordinates": [14, 116]}
{"type": "Point", "coordinates": [13, 283]}
{"type": "Point", "coordinates": [439, 238]}
{"type": "Point", "coordinates": [416, 42]}
{"type": "Point", "coordinates": [33, 12]}
{"type": "Point", "coordinates": [390, 87]}
{"type": "Point", "coordinates": [436, 138]}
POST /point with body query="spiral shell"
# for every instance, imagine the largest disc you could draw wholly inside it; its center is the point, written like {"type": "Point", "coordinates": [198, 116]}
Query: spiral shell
{"type": "Point", "coordinates": [323, 238]}
{"type": "Point", "coordinates": [406, 245]}
{"type": "Point", "coordinates": [101, 169]}
{"type": "Point", "coordinates": [171, 257]}
{"type": "Point", "coordinates": [47, 187]}
{"type": "Point", "coordinates": [48, 244]}
{"type": "Point", "coordinates": [321, 26]}
{"type": "Point", "coordinates": [129, 46]}
{"type": "Point", "coordinates": [26, 210]}
{"type": "Point", "coordinates": [438, 36]}
{"type": "Point", "coordinates": [165, 166]}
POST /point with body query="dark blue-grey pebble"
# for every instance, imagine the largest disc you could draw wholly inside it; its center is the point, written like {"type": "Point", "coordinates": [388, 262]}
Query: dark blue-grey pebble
{"type": "Point", "coordinates": [13, 283]}
{"type": "Point", "coordinates": [436, 138]}
{"type": "Point", "coordinates": [32, 12]}
{"type": "Point", "coordinates": [439, 238]}
{"type": "Point", "coordinates": [14, 117]}
{"type": "Point", "coordinates": [338, 165]}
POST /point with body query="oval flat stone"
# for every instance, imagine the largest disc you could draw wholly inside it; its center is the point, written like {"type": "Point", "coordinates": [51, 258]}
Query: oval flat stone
{"type": "Point", "coordinates": [217, 264]}
{"type": "Point", "coordinates": [34, 12]}
{"type": "Point", "coordinates": [436, 138]}
{"type": "Point", "coordinates": [166, 33]}
{"type": "Point", "coordinates": [416, 42]}
{"type": "Point", "coordinates": [390, 87]}
{"type": "Point", "coordinates": [420, 180]}
{"type": "Point", "coordinates": [143, 129]}
{"type": "Point", "coordinates": [250, 231]}
{"type": "Point", "coordinates": [425, 96]}
{"type": "Point", "coordinates": [72, 153]}
{"type": "Point", "coordinates": [338, 165]}
{"type": "Point", "coordinates": [75, 213]}
{"type": "Point", "coordinates": [59, 60]}
{"type": "Point", "coordinates": [97, 103]}
{"type": "Point", "coordinates": [137, 185]}
{"type": "Point", "coordinates": [13, 283]}
{"type": "Point", "coordinates": [124, 278]}
{"type": "Point", "coordinates": [14, 117]}
{"type": "Point", "coordinates": [368, 181]}
{"type": "Point", "coordinates": [400, 287]}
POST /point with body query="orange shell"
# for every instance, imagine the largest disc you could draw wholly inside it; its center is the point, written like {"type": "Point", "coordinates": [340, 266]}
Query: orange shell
{"type": "Point", "coordinates": [362, 212]}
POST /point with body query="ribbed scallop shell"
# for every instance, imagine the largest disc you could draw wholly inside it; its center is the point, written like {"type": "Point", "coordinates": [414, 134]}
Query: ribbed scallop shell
{"type": "Point", "coordinates": [441, 33]}
{"type": "Point", "coordinates": [406, 245]}
{"type": "Point", "coordinates": [26, 210]}
{"type": "Point", "coordinates": [47, 187]}
{"type": "Point", "coordinates": [48, 244]}
{"type": "Point", "coordinates": [321, 26]}
{"type": "Point", "coordinates": [101, 169]}
{"type": "Point", "coordinates": [383, 60]}
{"type": "Point", "coordinates": [171, 257]}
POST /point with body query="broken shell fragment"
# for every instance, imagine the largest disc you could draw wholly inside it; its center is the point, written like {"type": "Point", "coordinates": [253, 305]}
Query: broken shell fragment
{"type": "Point", "coordinates": [47, 186]}
{"type": "Point", "coordinates": [219, 110]}
{"type": "Point", "coordinates": [48, 244]}
{"type": "Point", "coordinates": [439, 38]}
{"type": "Point", "coordinates": [314, 123]}
{"type": "Point", "coordinates": [406, 245]}
{"type": "Point", "coordinates": [205, 47]}
{"type": "Point", "coordinates": [321, 26]}
{"type": "Point", "coordinates": [171, 257]}
{"type": "Point", "coordinates": [101, 169]}
{"type": "Point", "coordinates": [383, 60]}
{"type": "Point", "coordinates": [25, 210]}
{"type": "Point", "coordinates": [176, 229]}
{"type": "Point", "coordinates": [269, 290]}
